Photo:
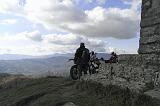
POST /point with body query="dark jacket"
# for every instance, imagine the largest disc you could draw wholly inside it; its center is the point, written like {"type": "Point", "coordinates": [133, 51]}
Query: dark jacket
{"type": "Point", "coordinates": [79, 56]}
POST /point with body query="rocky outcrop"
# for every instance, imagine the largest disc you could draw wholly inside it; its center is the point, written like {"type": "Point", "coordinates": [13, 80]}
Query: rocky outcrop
{"type": "Point", "coordinates": [149, 46]}
{"type": "Point", "coordinates": [116, 96]}
{"type": "Point", "coordinates": [147, 61]}
{"type": "Point", "coordinates": [137, 79]}
{"type": "Point", "coordinates": [139, 73]}
{"type": "Point", "coordinates": [122, 85]}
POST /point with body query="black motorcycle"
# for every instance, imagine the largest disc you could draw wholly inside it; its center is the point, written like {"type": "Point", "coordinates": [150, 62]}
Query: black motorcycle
{"type": "Point", "coordinates": [75, 70]}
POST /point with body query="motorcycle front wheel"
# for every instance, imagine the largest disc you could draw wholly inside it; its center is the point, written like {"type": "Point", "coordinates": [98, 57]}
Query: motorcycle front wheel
{"type": "Point", "coordinates": [74, 72]}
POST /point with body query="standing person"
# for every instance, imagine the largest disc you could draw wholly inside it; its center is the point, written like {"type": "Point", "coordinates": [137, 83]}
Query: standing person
{"type": "Point", "coordinates": [82, 58]}
{"type": "Point", "coordinates": [114, 57]}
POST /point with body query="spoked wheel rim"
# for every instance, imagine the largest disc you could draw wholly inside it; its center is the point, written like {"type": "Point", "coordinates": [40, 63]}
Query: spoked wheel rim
{"type": "Point", "coordinates": [74, 72]}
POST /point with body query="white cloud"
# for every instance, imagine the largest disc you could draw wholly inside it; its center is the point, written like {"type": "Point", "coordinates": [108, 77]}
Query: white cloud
{"type": "Point", "coordinates": [20, 43]}
{"type": "Point", "coordinates": [101, 2]}
{"type": "Point", "coordinates": [9, 6]}
{"type": "Point", "coordinates": [66, 16]}
{"type": "Point", "coordinates": [72, 41]}
{"type": "Point", "coordinates": [35, 36]}
{"type": "Point", "coordinates": [87, 26]}
{"type": "Point", "coordinates": [53, 12]}
{"type": "Point", "coordinates": [8, 21]}
{"type": "Point", "coordinates": [23, 36]}
{"type": "Point", "coordinates": [52, 43]}
{"type": "Point", "coordinates": [135, 4]}
{"type": "Point", "coordinates": [112, 22]}
{"type": "Point", "coordinates": [98, 22]}
{"type": "Point", "coordinates": [68, 39]}
{"type": "Point", "coordinates": [117, 51]}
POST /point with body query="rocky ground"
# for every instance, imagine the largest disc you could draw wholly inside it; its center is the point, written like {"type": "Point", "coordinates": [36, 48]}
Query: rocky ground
{"type": "Point", "coordinates": [50, 91]}
{"type": "Point", "coordinates": [58, 91]}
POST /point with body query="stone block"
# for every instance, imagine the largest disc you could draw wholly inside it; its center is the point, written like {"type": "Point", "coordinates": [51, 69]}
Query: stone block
{"type": "Point", "coordinates": [150, 39]}
{"type": "Point", "coordinates": [150, 21]}
{"type": "Point", "coordinates": [153, 48]}
{"type": "Point", "coordinates": [130, 59]}
{"type": "Point", "coordinates": [150, 8]}
{"type": "Point", "coordinates": [146, 5]}
{"type": "Point", "coordinates": [148, 31]}
{"type": "Point", "coordinates": [151, 12]}
{"type": "Point", "coordinates": [148, 75]}
{"type": "Point", "coordinates": [137, 74]}
{"type": "Point", "coordinates": [150, 59]}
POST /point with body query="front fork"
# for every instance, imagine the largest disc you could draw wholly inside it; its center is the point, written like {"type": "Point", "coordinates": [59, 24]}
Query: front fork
{"type": "Point", "coordinates": [79, 71]}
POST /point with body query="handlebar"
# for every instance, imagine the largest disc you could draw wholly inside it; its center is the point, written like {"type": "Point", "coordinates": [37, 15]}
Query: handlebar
{"type": "Point", "coordinates": [70, 60]}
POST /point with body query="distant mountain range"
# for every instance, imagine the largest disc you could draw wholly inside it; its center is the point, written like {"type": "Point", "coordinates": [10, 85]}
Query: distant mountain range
{"type": "Point", "coordinates": [20, 56]}
{"type": "Point", "coordinates": [38, 65]}
{"type": "Point", "coordinates": [15, 56]}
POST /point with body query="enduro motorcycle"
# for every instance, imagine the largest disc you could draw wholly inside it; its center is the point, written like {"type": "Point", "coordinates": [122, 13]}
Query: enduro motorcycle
{"type": "Point", "coordinates": [75, 70]}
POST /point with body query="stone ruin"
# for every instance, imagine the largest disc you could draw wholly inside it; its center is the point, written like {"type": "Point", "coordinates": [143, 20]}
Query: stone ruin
{"type": "Point", "coordinates": [138, 72]}
{"type": "Point", "coordinates": [150, 36]}
{"type": "Point", "coordinates": [150, 33]}
{"type": "Point", "coordinates": [135, 79]}
{"type": "Point", "coordinates": [147, 62]}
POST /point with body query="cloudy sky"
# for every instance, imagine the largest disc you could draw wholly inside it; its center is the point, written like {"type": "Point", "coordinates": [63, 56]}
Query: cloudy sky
{"type": "Point", "coordinates": [40, 27]}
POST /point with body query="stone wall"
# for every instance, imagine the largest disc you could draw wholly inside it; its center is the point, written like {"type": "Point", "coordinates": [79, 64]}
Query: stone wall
{"type": "Point", "coordinates": [114, 95]}
{"type": "Point", "coordinates": [142, 67]}
{"type": "Point", "coordinates": [139, 73]}
{"type": "Point", "coordinates": [148, 61]}
{"type": "Point", "coordinates": [150, 27]}
{"type": "Point", "coordinates": [149, 47]}
{"type": "Point", "coordinates": [149, 44]}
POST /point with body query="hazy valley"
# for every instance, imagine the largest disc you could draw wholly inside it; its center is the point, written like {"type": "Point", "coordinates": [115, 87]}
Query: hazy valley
{"type": "Point", "coordinates": [38, 65]}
